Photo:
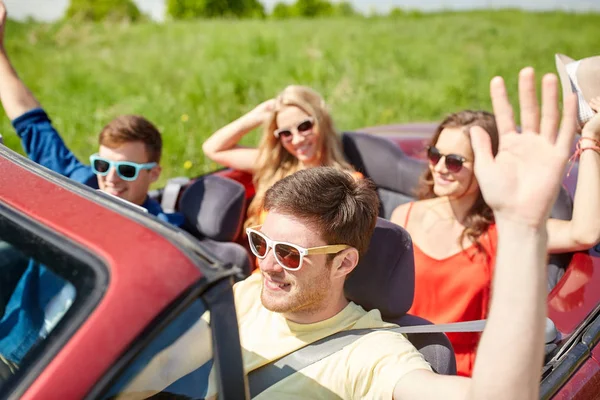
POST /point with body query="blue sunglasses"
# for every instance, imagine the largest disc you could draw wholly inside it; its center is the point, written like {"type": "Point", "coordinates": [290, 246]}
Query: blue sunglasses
{"type": "Point", "coordinates": [127, 170]}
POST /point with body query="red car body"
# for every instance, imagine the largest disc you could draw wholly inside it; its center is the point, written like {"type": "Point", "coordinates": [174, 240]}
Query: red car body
{"type": "Point", "coordinates": [145, 270]}
{"type": "Point", "coordinates": [147, 267]}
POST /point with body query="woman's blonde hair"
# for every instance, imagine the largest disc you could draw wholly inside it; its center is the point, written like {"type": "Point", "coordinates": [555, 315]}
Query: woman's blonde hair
{"type": "Point", "coordinates": [274, 162]}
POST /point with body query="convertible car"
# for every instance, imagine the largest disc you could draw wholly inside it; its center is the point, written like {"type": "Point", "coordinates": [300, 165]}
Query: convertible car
{"type": "Point", "coordinates": [126, 284]}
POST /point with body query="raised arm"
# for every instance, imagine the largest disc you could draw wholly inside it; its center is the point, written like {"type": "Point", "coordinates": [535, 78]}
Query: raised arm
{"type": "Point", "coordinates": [16, 98]}
{"type": "Point", "coordinates": [40, 140]}
{"type": "Point", "coordinates": [520, 185]}
{"type": "Point", "coordinates": [583, 230]}
{"type": "Point", "coordinates": [222, 146]}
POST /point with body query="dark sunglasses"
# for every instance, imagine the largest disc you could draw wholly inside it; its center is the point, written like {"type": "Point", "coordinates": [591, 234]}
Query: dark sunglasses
{"type": "Point", "coordinates": [288, 255]}
{"type": "Point", "coordinates": [127, 170]}
{"type": "Point", "coordinates": [303, 128]}
{"type": "Point", "coordinates": [454, 162]}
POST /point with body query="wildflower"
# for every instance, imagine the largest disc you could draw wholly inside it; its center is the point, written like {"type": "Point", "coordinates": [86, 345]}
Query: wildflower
{"type": "Point", "coordinates": [185, 118]}
{"type": "Point", "coordinates": [188, 164]}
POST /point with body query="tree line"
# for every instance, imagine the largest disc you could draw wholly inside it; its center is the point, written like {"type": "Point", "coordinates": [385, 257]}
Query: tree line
{"type": "Point", "coordinates": [93, 10]}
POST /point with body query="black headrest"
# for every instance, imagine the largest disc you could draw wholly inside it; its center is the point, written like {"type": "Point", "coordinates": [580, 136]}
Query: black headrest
{"type": "Point", "coordinates": [214, 207]}
{"type": "Point", "coordinates": [382, 161]}
{"type": "Point", "coordinates": [385, 276]}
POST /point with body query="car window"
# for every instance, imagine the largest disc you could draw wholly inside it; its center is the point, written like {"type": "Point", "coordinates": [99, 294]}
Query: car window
{"type": "Point", "coordinates": [45, 292]}
{"type": "Point", "coordinates": [168, 366]}
{"type": "Point", "coordinates": [33, 300]}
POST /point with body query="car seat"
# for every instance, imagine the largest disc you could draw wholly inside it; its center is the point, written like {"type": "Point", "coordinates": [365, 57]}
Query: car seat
{"type": "Point", "coordinates": [384, 279]}
{"type": "Point", "coordinates": [213, 207]}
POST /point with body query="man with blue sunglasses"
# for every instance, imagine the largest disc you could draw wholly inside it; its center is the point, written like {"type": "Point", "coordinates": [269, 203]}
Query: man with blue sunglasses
{"type": "Point", "coordinates": [130, 147]}
{"type": "Point", "coordinates": [126, 164]}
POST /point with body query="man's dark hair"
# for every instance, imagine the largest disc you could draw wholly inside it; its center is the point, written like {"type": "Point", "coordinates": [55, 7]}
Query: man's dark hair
{"type": "Point", "coordinates": [133, 128]}
{"type": "Point", "coordinates": [342, 209]}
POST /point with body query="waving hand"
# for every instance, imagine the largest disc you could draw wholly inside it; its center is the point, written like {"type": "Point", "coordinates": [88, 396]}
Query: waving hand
{"type": "Point", "coordinates": [522, 181]}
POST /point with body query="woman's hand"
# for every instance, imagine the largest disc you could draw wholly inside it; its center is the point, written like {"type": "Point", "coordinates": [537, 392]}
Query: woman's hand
{"type": "Point", "coordinates": [223, 145]}
{"type": "Point", "coordinates": [264, 111]}
{"type": "Point", "coordinates": [591, 128]}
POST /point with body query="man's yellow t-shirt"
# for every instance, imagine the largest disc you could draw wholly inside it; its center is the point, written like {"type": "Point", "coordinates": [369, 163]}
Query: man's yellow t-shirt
{"type": "Point", "coordinates": [369, 368]}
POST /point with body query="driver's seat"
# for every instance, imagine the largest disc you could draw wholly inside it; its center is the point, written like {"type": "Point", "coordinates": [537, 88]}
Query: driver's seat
{"type": "Point", "coordinates": [384, 279]}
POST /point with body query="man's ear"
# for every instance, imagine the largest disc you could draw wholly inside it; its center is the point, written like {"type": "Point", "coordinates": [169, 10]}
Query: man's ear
{"type": "Point", "coordinates": [155, 173]}
{"type": "Point", "coordinates": [344, 262]}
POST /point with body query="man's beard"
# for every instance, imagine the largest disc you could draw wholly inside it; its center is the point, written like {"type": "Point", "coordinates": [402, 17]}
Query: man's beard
{"type": "Point", "coordinates": [306, 297]}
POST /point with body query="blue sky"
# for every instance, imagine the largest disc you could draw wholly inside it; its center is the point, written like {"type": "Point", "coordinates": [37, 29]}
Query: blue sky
{"type": "Point", "coordinates": [52, 9]}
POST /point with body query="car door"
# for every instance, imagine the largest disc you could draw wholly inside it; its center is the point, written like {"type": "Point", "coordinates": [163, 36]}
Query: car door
{"type": "Point", "coordinates": [89, 285]}
{"type": "Point", "coordinates": [572, 370]}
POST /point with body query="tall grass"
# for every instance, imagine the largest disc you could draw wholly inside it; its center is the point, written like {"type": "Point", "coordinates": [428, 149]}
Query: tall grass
{"type": "Point", "coordinates": [190, 78]}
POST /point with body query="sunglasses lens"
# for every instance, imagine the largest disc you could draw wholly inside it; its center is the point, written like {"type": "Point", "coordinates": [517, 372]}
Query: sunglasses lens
{"type": "Point", "coordinates": [305, 126]}
{"type": "Point", "coordinates": [100, 166]}
{"type": "Point", "coordinates": [288, 256]}
{"type": "Point", "coordinates": [285, 135]}
{"type": "Point", "coordinates": [433, 155]}
{"type": "Point", "coordinates": [258, 244]}
{"type": "Point", "coordinates": [127, 171]}
{"type": "Point", "coordinates": [453, 163]}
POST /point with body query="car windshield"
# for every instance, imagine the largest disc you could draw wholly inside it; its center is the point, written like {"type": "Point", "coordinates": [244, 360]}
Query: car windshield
{"type": "Point", "coordinates": [161, 366]}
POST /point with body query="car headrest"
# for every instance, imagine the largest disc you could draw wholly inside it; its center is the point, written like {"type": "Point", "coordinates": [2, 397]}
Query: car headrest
{"type": "Point", "coordinates": [385, 275]}
{"type": "Point", "coordinates": [563, 206]}
{"type": "Point", "coordinates": [214, 207]}
{"type": "Point", "coordinates": [382, 161]}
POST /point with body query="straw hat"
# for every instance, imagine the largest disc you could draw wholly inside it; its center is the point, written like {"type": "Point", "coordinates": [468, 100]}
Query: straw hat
{"type": "Point", "coordinates": [581, 77]}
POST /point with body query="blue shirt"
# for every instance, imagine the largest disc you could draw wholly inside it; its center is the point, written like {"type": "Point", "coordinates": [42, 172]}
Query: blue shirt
{"type": "Point", "coordinates": [41, 297]}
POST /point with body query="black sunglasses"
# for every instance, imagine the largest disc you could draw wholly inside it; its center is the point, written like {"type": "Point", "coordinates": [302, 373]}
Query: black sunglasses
{"type": "Point", "coordinates": [126, 170]}
{"type": "Point", "coordinates": [454, 162]}
{"type": "Point", "coordinates": [303, 129]}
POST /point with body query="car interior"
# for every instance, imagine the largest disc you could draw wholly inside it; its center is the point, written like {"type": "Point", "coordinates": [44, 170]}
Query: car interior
{"type": "Point", "coordinates": [384, 279]}
{"type": "Point", "coordinates": [215, 205]}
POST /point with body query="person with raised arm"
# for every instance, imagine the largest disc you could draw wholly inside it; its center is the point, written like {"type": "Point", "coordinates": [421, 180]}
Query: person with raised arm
{"type": "Point", "coordinates": [130, 147]}
{"type": "Point", "coordinates": [455, 231]}
{"type": "Point", "coordinates": [298, 133]}
{"type": "Point", "coordinates": [309, 244]}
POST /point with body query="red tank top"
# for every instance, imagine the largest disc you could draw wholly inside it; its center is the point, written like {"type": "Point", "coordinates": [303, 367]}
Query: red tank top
{"type": "Point", "coordinates": [456, 289]}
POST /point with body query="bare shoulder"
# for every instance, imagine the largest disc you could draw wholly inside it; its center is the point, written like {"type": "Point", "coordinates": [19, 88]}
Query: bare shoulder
{"type": "Point", "coordinates": [417, 209]}
{"type": "Point", "coordinates": [399, 214]}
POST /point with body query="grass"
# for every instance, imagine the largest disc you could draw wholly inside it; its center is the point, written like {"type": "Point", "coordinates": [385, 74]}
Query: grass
{"type": "Point", "coordinates": [190, 78]}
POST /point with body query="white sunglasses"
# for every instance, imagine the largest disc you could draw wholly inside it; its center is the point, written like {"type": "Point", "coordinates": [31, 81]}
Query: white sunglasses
{"type": "Point", "coordinates": [303, 128]}
{"type": "Point", "coordinates": [288, 255]}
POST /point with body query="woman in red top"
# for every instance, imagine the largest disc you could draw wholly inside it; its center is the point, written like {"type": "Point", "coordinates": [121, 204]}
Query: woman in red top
{"type": "Point", "coordinates": [453, 231]}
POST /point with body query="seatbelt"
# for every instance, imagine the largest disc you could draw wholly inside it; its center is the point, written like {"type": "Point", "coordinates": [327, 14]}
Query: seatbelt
{"type": "Point", "coordinates": [269, 374]}
{"type": "Point", "coordinates": [170, 193]}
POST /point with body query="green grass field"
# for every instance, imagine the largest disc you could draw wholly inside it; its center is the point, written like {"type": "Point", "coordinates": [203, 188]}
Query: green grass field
{"type": "Point", "coordinates": [191, 78]}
